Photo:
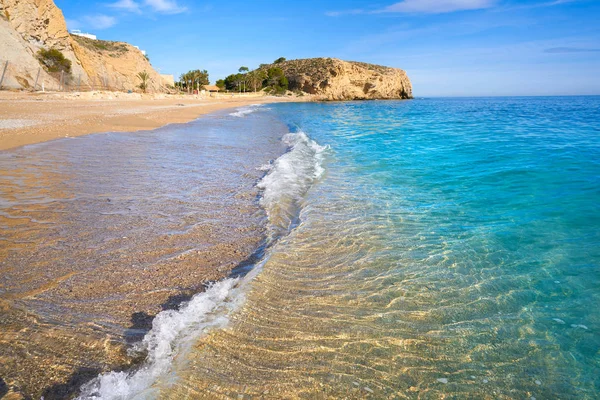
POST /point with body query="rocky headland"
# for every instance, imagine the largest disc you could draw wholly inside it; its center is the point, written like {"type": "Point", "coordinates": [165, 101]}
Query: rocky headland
{"type": "Point", "coordinates": [333, 79]}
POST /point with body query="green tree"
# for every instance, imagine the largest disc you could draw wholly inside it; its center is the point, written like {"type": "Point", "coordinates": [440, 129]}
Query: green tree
{"type": "Point", "coordinates": [279, 60]}
{"type": "Point", "coordinates": [276, 80]}
{"type": "Point", "coordinates": [243, 69]}
{"type": "Point", "coordinates": [221, 84]}
{"type": "Point", "coordinates": [185, 80]}
{"type": "Point", "coordinates": [145, 78]}
{"type": "Point", "coordinates": [256, 78]}
{"type": "Point", "coordinates": [200, 78]}
{"type": "Point", "coordinates": [194, 79]}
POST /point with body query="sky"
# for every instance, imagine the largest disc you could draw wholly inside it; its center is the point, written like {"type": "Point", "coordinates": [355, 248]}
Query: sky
{"type": "Point", "coordinates": [447, 47]}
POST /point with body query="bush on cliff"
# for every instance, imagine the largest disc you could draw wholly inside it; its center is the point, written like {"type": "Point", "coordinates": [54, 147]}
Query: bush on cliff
{"type": "Point", "coordinates": [54, 61]}
{"type": "Point", "coordinates": [276, 81]}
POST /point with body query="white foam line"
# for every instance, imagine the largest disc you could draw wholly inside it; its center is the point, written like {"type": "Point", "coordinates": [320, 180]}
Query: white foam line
{"type": "Point", "coordinates": [242, 112]}
{"type": "Point", "coordinates": [174, 331]}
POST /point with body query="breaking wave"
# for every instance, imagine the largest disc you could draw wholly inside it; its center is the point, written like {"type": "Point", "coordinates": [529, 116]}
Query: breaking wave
{"type": "Point", "coordinates": [242, 112]}
{"type": "Point", "coordinates": [174, 331]}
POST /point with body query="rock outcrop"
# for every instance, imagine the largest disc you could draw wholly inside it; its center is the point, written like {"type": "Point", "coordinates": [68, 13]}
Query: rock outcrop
{"type": "Point", "coordinates": [26, 26]}
{"type": "Point", "coordinates": [113, 64]}
{"type": "Point", "coordinates": [333, 79]}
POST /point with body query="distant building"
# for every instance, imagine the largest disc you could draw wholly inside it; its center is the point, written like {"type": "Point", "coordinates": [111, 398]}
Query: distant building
{"type": "Point", "coordinates": [211, 88]}
{"type": "Point", "coordinates": [167, 79]}
{"type": "Point", "coordinates": [77, 32]}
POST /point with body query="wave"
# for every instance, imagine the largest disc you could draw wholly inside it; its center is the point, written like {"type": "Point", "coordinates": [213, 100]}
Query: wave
{"type": "Point", "coordinates": [242, 112]}
{"type": "Point", "coordinates": [174, 331]}
{"type": "Point", "coordinates": [290, 177]}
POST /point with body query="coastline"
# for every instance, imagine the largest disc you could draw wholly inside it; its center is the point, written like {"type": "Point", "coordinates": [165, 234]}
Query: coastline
{"type": "Point", "coordinates": [29, 118]}
{"type": "Point", "coordinates": [129, 267]}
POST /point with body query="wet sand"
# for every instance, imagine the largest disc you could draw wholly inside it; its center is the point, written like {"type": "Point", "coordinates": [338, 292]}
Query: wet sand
{"type": "Point", "coordinates": [27, 118]}
{"type": "Point", "coordinates": [95, 243]}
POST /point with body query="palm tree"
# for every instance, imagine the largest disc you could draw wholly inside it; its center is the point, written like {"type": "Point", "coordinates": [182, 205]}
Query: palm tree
{"type": "Point", "coordinates": [145, 78]}
{"type": "Point", "coordinates": [197, 74]}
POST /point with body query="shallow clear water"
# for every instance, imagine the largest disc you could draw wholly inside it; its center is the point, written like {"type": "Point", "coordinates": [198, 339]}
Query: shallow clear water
{"type": "Point", "coordinates": [417, 249]}
{"type": "Point", "coordinates": [451, 248]}
{"type": "Point", "coordinates": [100, 233]}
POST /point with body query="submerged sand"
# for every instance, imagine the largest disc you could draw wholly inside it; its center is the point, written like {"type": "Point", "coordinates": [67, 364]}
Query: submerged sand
{"type": "Point", "coordinates": [96, 243]}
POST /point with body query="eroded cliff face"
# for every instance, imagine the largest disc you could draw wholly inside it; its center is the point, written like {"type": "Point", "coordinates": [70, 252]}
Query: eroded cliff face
{"type": "Point", "coordinates": [26, 26]}
{"type": "Point", "coordinates": [333, 79]}
{"type": "Point", "coordinates": [113, 64]}
{"type": "Point", "coordinates": [38, 21]}
{"type": "Point", "coordinates": [40, 24]}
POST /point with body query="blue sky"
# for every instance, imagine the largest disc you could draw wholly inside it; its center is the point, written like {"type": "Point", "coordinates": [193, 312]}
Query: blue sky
{"type": "Point", "coordinates": [447, 47]}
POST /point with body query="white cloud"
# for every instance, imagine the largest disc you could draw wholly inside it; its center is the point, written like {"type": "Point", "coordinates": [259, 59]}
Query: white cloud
{"type": "Point", "coordinates": [346, 12]}
{"type": "Point", "coordinates": [73, 24]}
{"type": "Point", "coordinates": [126, 5]}
{"type": "Point", "coordinates": [99, 21]}
{"type": "Point", "coordinates": [165, 6]}
{"type": "Point", "coordinates": [437, 6]}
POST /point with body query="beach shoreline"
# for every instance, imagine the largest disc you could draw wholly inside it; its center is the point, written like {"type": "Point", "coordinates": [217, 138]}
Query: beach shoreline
{"type": "Point", "coordinates": [29, 118]}
{"type": "Point", "coordinates": [106, 253]}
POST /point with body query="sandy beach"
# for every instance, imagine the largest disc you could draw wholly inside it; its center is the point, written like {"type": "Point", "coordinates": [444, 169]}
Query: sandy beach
{"type": "Point", "coordinates": [88, 255]}
{"type": "Point", "coordinates": [27, 118]}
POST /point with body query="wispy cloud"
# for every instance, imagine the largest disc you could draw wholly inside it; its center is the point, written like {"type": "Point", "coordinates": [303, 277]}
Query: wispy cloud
{"type": "Point", "coordinates": [73, 24]}
{"type": "Point", "coordinates": [344, 12]}
{"type": "Point", "coordinates": [423, 7]}
{"type": "Point", "coordinates": [126, 5]}
{"type": "Point", "coordinates": [543, 4]}
{"type": "Point", "coordinates": [98, 21]}
{"type": "Point", "coordinates": [437, 6]}
{"type": "Point", "coordinates": [165, 6]}
{"type": "Point", "coordinates": [554, 50]}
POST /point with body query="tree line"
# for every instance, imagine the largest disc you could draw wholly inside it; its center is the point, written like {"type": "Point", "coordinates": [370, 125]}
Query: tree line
{"type": "Point", "coordinates": [266, 76]}
{"type": "Point", "coordinates": [269, 77]}
{"type": "Point", "coordinates": [193, 80]}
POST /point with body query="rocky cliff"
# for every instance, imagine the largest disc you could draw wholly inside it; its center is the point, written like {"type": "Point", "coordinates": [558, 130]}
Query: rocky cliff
{"type": "Point", "coordinates": [333, 79]}
{"type": "Point", "coordinates": [26, 26]}
{"type": "Point", "coordinates": [113, 64]}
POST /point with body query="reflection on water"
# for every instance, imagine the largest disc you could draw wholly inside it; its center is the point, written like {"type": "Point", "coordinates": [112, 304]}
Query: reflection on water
{"type": "Point", "coordinates": [451, 250]}
{"type": "Point", "coordinates": [99, 233]}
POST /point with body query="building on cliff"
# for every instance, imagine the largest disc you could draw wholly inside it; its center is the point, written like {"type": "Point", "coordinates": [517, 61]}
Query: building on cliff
{"type": "Point", "coordinates": [77, 32]}
{"type": "Point", "coordinates": [27, 26]}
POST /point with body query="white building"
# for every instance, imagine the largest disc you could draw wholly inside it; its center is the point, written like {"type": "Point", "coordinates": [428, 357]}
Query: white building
{"type": "Point", "coordinates": [77, 32]}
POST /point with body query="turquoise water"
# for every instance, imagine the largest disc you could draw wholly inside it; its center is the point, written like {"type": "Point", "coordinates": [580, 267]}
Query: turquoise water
{"type": "Point", "coordinates": [482, 215]}
{"type": "Point", "coordinates": [436, 248]}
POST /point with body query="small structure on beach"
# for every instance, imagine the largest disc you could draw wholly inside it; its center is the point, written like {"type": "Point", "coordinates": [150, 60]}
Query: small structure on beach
{"type": "Point", "coordinates": [211, 88]}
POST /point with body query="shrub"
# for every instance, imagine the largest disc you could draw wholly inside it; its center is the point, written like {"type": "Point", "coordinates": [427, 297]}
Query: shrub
{"type": "Point", "coordinates": [54, 60]}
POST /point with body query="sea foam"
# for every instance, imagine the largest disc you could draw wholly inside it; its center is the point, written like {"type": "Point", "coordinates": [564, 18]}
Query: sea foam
{"type": "Point", "coordinates": [290, 177]}
{"type": "Point", "coordinates": [242, 112]}
{"type": "Point", "coordinates": [174, 331]}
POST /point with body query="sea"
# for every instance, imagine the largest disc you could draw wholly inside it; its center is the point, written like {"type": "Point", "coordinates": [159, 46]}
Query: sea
{"type": "Point", "coordinates": [419, 249]}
